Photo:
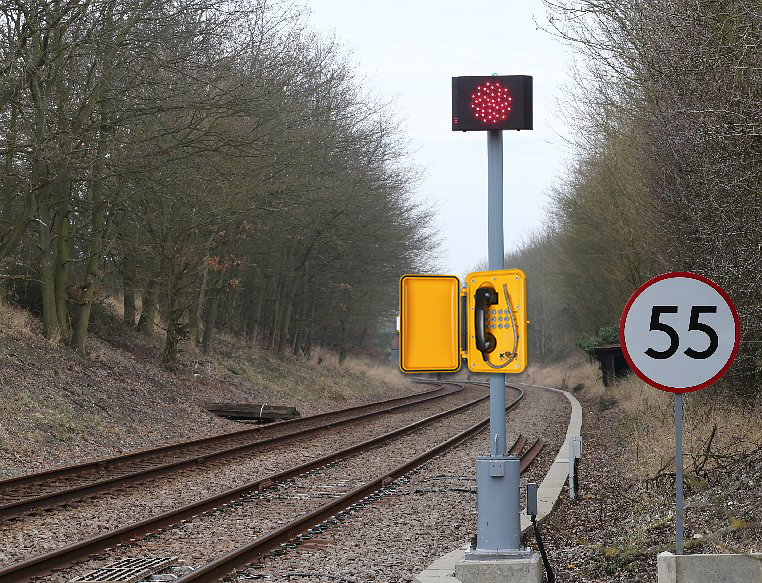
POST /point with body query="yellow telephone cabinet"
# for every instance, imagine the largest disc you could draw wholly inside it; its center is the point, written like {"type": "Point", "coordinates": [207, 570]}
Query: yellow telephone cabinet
{"type": "Point", "coordinates": [496, 321]}
{"type": "Point", "coordinates": [436, 332]}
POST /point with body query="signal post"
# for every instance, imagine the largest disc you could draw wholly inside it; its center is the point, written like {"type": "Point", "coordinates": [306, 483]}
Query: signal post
{"type": "Point", "coordinates": [489, 332]}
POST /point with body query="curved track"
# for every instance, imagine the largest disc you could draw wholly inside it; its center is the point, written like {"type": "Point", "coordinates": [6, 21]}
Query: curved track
{"type": "Point", "coordinates": [292, 534]}
{"type": "Point", "coordinates": [63, 557]}
{"type": "Point", "coordinates": [53, 487]}
{"type": "Point", "coordinates": [327, 514]}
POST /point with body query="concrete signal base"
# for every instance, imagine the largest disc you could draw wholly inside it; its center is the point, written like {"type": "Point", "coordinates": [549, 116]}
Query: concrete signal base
{"type": "Point", "coordinates": [521, 570]}
{"type": "Point", "coordinates": [709, 568]}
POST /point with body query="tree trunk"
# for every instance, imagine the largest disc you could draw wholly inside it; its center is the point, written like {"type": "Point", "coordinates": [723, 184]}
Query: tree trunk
{"type": "Point", "coordinates": [298, 336]}
{"type": "Point", "coordinates": [150, 304]}
{"type": "Point", "coordinates": [197, 315]}
{"type": "Point", "coordinates": [289, 297]}
{"type": "Point", "coordinates": [364, 329]}
{"type": "Point", "coordinates": [344, 323]}
{"type": "Point", "coordinates": [51, 326]}
{"type": "Point", "coordinates": [176, 331]}
{"type": "Point", "coordinates": [210, 321]}
{"type": "Point", "coordinates": [128, 281]}
{"type": "Point", "coordinates": [299, 327]}
{"type": "Point", "coordinates": [194, 324]}
{"type": "Point", "coordinates": [310, 334]}
{"type": "Point", "coordinates": [10, 238]}
{"type": "Point", "coordinates": [79, 333]}
{"type": "Point", "coordinates": [276, 310]}
{"type": "Point", "coordinates": [150, 301]}
{"type": "Point", "coordinates": [62, 255]}
{"type": "Point", "coordinates": [285, 321]}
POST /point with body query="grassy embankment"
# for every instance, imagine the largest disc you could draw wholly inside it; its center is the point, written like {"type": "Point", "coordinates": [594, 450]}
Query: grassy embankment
{"type": "Point", "coordinates": [717, 425]}
{"type": "Point", "coordinates": [58, 408]}
{"type": "Point", "coordinates": [626, 517]}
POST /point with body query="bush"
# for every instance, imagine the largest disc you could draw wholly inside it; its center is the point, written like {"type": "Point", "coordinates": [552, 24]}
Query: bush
{"type": "Point", "coordinates": [606, 335]}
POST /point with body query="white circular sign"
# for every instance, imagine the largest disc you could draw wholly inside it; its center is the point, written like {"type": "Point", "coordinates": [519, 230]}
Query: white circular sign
{"type": "Point", "coordinates": [680, 332]}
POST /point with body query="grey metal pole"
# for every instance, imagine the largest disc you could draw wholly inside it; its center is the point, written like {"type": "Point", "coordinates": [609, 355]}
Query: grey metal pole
{"type": "Point", "coordinates": [680, 500]}
{"type": "Point", "coordinates": [496, 256]}
{"type": "Point", "coordinates": [498, 504]}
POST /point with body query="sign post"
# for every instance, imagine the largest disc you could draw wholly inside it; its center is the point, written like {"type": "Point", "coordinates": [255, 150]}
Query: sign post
{"type": "Point", "coordinates": [679, 498]}
{"type": "Point", "coordinates": [494, 104]}
{"type": "Point", "coordinates": [679, 333]}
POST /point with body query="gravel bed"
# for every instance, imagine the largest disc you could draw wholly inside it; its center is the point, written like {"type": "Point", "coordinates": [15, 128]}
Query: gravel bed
{"type": "Point", "coordinates": [47, 531]}
{"type": "Point", "coordinates": [431, 515]}
{"type": "Point", "coordinates": [206, 537]}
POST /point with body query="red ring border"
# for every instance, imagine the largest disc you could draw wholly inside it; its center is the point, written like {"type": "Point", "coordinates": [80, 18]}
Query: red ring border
{"type": "Point", "coordinates": [670, 275]}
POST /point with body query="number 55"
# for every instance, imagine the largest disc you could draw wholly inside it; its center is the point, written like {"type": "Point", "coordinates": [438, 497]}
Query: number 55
{"type": "Point", "coordinates": [674, 338]}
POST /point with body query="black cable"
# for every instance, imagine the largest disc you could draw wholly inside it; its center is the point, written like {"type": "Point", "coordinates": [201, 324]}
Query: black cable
{"type": "Point", "coordinates": [548, 569]}
{"type": "Point", "coordinates": [515, 334]}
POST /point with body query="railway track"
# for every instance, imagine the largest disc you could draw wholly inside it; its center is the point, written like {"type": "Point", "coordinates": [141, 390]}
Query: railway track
{"type": "Point", "coordinates": [51, 488]}
{"type": "Point", "coordinates": [66, 556]}
{"type": "Point", "coordinates": [302, 529]}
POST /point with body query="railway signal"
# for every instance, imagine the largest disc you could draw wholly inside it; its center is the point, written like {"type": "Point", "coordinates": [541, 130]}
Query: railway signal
{"type": "Point", "coordinates": [433, 310]}
{"type": "Point", "coordinates": [492, 104]}
{"type": "Point", "coordinates": [679, 333]}
{"type": "Point", "coordinates": [484, 103]}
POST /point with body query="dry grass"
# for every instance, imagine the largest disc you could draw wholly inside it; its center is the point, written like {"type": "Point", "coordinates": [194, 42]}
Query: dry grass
{"type": "Point", "coordinates": [60, 406]}
{"type": "Point", "coordinates": [18, 323]}
{"type": "Point", "coordinates": [574, 373]}
{"type": "Point", "coordinates": [318, 382]}
{"type": "Point", "coordinates": [718, 428]}
{"type": "Point", "coordinates": [388, 374]}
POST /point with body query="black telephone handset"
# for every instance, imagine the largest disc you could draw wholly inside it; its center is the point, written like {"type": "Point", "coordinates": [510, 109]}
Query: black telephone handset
{"type": "Point", "coordinates": [485, 342]}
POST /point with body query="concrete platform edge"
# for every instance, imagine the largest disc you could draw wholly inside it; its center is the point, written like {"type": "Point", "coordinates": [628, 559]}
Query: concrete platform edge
{"type": "Point", "coordinates": [443, 569]}
{"type": "Point", "coordinates": [704, 568]}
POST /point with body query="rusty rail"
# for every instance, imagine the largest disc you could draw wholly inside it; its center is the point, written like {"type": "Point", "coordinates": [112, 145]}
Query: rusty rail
{"type": "Point", "coordinates": [99, 464]}
{"type": "Point", "coordinates": [273, 540]}
{"type": "Point", "coordinates": [68, 494]}
{"type": "Point", "coordinates": [43, 564]}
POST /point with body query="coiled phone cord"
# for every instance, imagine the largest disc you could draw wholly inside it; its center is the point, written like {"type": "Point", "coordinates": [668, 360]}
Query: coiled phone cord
{"type": "Point", "coordinates": [515, 334]}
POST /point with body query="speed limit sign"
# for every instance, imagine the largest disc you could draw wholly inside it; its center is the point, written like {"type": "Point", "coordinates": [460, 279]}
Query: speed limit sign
{"type": "Point", "coordinates": [680, 332]}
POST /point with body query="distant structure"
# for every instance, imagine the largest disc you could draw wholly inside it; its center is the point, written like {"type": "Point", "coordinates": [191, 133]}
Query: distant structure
{"type": "Point", "coordinates": [612, 362]}
{"type": "Point", "coordinates": [394, 348]}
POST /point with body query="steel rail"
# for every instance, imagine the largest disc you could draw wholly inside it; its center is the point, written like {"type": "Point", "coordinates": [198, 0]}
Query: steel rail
{"type": "Point", "coordinates": [78, 492]}
{"type": "Point", "coordinates": [258, 548]}
{"type": "Point", "coordinates": [520, 442]}
{"type": "Point", "coordinates": [530, 455]}
{"type": "Point", "coordinates": [60, 558]}
{"type": "Point", "coordinates": [102, 463]}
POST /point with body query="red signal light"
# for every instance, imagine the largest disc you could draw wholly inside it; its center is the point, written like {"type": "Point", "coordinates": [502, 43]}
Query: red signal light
{"type": "Point", "coordinates": [492, 103]}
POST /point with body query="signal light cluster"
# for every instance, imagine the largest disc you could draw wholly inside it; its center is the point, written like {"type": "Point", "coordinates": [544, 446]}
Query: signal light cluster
{"type": "Point", "coordinates": [491, 102]}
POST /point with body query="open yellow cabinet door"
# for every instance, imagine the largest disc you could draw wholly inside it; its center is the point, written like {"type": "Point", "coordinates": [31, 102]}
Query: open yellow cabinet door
{"type": "Point", "coordinates": [429, 323]}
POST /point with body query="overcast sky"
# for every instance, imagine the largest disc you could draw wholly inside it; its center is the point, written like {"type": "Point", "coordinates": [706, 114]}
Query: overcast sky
{"type": "Point", "coordinates": [409, 51]}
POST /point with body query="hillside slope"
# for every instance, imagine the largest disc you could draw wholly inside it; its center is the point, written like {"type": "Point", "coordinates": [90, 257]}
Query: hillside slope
{"type": "Point", "coordinates": [58, 408]}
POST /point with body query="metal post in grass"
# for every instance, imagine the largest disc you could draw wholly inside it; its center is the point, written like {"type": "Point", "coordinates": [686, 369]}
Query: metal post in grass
{"type": "Point", "coordinates": [680, 333]}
